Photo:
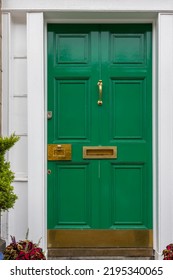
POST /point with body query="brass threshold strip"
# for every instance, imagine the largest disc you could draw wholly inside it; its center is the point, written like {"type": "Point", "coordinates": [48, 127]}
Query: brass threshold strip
{"type": "Point", "coordinates": [100, 238]}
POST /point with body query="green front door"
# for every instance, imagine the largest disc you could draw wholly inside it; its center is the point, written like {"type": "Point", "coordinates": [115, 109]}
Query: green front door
{"type": "Point", "coordinates": [100, 102]}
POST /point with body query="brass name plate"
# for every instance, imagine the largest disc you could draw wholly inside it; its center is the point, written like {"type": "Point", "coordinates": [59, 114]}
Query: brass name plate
{"type": "Point", "coordinates": [101, 152]}
{"type": "Point", "coordinates": [59, 152]}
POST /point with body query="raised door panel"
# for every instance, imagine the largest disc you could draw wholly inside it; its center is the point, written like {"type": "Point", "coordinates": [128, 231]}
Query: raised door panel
{"type": "Point", "coordinates": [73, 195]}
{"type": "Point", "coordinates": [127, 48]}
{"type": "Point", "coordinates": [128, 192]}
{"type": "Point", "coordinates": [72, 109]}
{"type": "Point", "coordinates": [128, 109]}
{"type": "Point", "coordinates": [72, 49]}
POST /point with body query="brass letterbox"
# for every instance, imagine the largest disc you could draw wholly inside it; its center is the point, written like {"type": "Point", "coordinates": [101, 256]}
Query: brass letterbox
{"type": "Point", "coordinates": [100, 152]}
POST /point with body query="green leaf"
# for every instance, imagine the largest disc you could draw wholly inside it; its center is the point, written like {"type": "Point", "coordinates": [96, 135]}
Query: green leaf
{"type": "Point", "coordinates": [7, 195]}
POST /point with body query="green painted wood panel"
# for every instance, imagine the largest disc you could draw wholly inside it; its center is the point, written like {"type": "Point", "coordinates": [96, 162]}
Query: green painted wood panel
{"type": "Point", "coordinates": [72, 101]}
{"type": "Point", "coordinates": [133, 53]}
{"type": "Point", "coordinates": [127, 195]}
{"type": "Point", "coordinates": [72, 48]}
{"type": "Point", "coordinates": [128, 98]}
{"type": "Point", "coordinates": [106, 193]}
{"type": "Point", "coordinates": [73, 198]}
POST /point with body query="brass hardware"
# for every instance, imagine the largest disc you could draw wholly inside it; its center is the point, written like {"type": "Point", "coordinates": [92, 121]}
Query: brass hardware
{"type": "Point", "coordinates": [139, 238]}
{"type": "Point", "coordinates": [59, 152]}
{"type": "Point", "coordinates": [49, 171]}
{"type": "Point", "coordinates": [49, 115]}
{"type": "Point", "coordinates": [94, 152]}
{"type": "Point", "coordinates": [100, 84]}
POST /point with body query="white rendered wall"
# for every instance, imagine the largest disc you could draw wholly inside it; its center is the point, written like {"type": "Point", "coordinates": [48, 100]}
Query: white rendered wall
{"type": "Point", "coordinates": [15, 119]}
{"type": "Point", "coordinates": [35, 208]}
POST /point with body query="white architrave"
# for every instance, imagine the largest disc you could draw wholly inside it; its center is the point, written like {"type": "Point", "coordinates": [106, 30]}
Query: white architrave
{"type": "Point", "coordinates": [88, 5]}
{"type": "Point", "coordinates": [165, 130]}
{"type": "Point", "coordinates": [36, 155]}
{"type": "Point", "coordinates": [34, 109]}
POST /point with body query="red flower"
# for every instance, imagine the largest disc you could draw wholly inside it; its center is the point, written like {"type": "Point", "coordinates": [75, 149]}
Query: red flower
{"type": "Point", "coordinates": [30, 245]}
{"type": "Point", "coordinates": [27, 256]}
{"type": "Point", "coordinates": [21, 256]}
{"type": "Point", "coordinates": [169, 247]}
{"type": "Point", "coordinates": [23, 250]}
{"type": "Point", "coordinates": [168, 252]}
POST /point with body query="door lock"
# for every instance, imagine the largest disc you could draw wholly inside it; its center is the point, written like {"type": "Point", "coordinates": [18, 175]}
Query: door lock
{"type": "Point", "coordinates": [59, 151]}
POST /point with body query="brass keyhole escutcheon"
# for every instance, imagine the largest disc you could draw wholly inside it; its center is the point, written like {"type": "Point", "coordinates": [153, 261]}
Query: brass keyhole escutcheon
{"type": "Point", "coordinates": [99, 102]}
{"type": "Point", "coordinates": [49, 171]}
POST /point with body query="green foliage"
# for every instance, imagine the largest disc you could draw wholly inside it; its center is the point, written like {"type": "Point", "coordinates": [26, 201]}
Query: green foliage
{"type": "Point", "coordinates": [7, 196]}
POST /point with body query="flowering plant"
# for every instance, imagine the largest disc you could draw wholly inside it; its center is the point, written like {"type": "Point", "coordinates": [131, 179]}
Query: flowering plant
{"type": "Point", "coordinates": [23, 250]}
{"type": "Point", "coordinates": [168, 252]}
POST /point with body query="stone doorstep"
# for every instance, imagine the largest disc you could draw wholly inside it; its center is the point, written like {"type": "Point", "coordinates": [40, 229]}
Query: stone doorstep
{"type": "Point", "coordinates": [100, 253]}
{"type": "Point", "coordinates": [101, 258]}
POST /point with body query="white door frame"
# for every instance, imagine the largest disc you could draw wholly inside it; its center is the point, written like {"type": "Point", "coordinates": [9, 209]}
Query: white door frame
{"type": "Point", "coordinates": [162, 129]}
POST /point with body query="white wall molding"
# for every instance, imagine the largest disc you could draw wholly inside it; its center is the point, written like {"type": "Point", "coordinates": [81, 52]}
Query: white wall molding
{"type": "Point", "coordinates": [89, 5]}
{"type": "Point", "coordinates": [165, 130]}
{"type": "Point", "coordinates": [36, 160]}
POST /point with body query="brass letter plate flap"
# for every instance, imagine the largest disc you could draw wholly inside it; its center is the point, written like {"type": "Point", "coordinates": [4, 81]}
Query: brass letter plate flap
{"type": "Point", "coordinates": [59, 152]}
{"type": "Point", "coordinates": [94, 152]}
